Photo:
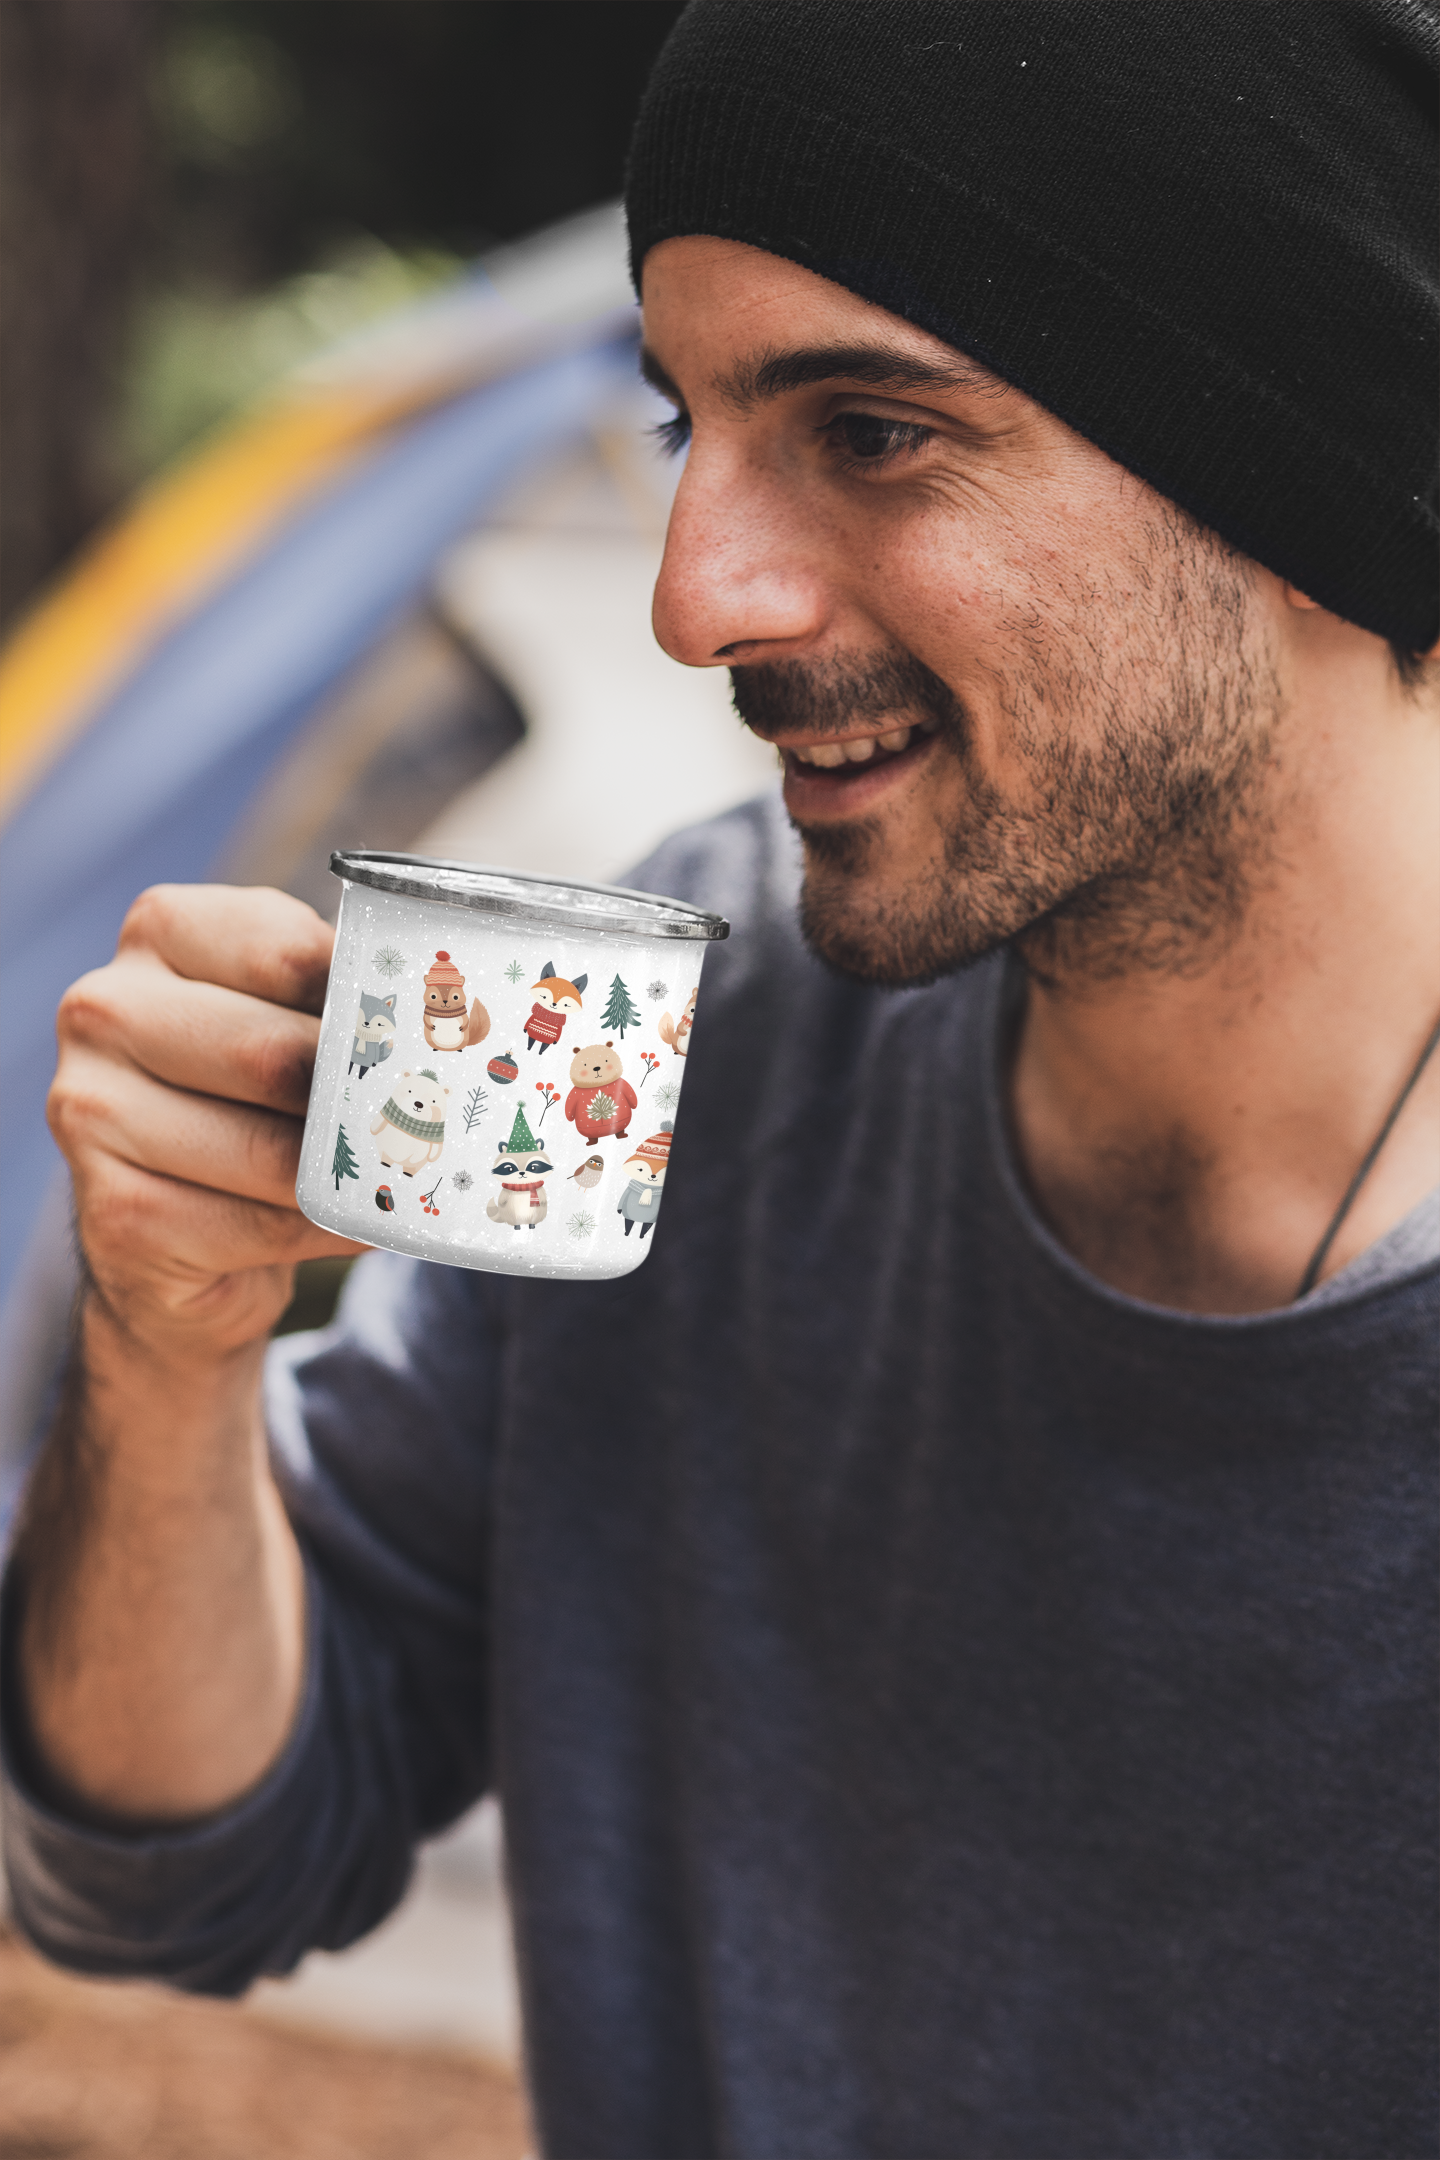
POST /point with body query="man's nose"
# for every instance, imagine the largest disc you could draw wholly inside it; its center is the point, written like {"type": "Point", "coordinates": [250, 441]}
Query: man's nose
{"type": "Point", "coordinates": [739, 580]}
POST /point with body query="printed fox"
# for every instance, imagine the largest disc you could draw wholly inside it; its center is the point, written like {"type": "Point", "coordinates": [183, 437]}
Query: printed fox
{"type": "Point", "coordinates": [449, 1023]}
{"type": "Point", "coordinates": [556, 997]}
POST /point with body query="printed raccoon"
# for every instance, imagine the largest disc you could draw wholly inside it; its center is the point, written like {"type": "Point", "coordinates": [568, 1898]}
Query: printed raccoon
{"type": "Point", "coordinates": [522, 1167]}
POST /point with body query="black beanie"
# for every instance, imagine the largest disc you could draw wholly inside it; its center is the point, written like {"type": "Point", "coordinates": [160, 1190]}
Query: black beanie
{"type": "Point", "coordinates": [1202, 232]}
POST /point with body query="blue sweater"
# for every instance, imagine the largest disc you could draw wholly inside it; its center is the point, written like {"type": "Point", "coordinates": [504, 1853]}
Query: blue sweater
{"type": "Point", "coordinates": [942, 1707]}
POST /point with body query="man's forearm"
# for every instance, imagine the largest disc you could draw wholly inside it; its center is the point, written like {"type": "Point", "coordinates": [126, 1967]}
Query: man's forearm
{"type": "Point", "coordinates": [162, 1601]}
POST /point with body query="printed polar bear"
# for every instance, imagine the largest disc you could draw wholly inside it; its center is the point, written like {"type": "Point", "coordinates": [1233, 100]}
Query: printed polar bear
{"type": "Point", "coordinates": [411, 1127]}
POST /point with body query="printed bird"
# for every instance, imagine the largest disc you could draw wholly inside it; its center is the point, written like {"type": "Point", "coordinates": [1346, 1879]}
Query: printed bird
{"type": "Point", "coordinates": [590, 1172]}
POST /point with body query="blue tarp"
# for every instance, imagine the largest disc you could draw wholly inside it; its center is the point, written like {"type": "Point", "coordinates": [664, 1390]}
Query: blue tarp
{"type": "Point", "coordinates": [161, 777]}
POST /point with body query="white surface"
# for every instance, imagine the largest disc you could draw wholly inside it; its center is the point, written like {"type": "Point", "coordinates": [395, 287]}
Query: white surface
{"type": "Point", "coordinates": [440, 1970]}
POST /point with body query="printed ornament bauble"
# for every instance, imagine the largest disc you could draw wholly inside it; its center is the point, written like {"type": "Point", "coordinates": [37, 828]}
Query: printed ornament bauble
{"type": "Point", "coordinates": [503, 1069]}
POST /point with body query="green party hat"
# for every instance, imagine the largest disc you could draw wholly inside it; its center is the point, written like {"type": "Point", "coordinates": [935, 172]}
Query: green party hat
{"type": "Point", "coordinates": [522, 1140]}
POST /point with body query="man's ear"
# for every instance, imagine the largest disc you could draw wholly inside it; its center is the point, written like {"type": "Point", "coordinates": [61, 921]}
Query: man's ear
{"type": "Point", "coordinates": [1298, 599]}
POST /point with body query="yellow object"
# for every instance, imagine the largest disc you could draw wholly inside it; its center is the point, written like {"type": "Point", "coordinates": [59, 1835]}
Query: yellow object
{"type": "Point", "coordinates": [178, 539]}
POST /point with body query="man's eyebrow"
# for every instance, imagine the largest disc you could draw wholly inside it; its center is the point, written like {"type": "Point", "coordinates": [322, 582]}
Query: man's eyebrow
{"type": "Point", "coordinates": [771, 373]}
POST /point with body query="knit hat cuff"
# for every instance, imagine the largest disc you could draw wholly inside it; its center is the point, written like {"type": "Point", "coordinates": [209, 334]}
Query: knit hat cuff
{"type": "Point", "coordinates": [1233, 451]}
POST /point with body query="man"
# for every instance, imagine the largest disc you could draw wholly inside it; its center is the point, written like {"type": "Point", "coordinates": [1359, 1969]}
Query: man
{"type": "Point", "coordinates": [953, 1633]}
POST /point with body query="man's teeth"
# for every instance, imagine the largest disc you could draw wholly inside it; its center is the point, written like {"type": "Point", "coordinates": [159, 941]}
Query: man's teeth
{"type": "Point", "coordinates": [857, 751]}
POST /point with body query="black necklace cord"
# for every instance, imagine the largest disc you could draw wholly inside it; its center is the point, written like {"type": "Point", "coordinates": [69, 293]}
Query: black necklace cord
{"type": "Point", "coordinates": [1317, 1259]}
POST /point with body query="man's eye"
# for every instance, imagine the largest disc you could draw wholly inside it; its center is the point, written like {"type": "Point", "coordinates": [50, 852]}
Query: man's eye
{"type": "Point", "coordinates": [867, 439]}
{"type": "Point", "coordinates": [673, 434]}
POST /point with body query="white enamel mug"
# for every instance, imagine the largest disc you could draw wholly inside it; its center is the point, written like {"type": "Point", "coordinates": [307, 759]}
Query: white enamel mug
{"type": "Point", "coordinates": [500, 1066]}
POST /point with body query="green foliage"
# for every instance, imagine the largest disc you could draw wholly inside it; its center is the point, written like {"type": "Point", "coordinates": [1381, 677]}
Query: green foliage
{"type": "Point", "coordinates": [621, 1011]}
{"type": "Point", "coordinates": [199, 355]}
{"type": "Point", "coordinates": [343, 1164]}
{"type": "Point", "coordinates": [222, 92]}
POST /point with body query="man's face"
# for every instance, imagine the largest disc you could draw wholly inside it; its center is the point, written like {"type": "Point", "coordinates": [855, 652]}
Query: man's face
{"type": "Point", "coordinates": [1018, 695]}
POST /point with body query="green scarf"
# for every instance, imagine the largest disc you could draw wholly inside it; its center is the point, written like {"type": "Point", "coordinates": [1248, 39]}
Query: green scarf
{"type": "Point", "coordinates": [432, 1129]}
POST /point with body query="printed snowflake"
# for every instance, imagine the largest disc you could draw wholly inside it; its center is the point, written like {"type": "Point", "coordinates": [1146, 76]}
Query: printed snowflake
{"type": "Point", "coordinates": [656, 990]}
{"type": "Point", "coordinates": [667, 1095]}
{"type": "Point", "coordinates": [582, 1225]}
{"type": "Point", "coordinates": [515, 973]}
{"type": "Point", "coordinates": [388, 962]}
{"type": "Point", "coordinates": [462, 1181]}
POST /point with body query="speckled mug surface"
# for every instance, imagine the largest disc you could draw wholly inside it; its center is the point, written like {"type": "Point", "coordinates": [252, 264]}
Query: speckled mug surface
{"type": "Point", "coordinates": [500, 1066]}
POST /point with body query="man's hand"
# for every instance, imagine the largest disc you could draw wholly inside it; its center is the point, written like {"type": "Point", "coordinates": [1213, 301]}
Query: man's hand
{"type": "Point", "coordinates": [178, 1103]}
{"type": "Point", "coordinates": [162, 1604]}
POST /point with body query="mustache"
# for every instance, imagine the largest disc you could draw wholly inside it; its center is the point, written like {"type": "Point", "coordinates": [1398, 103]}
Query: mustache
{"type": "Point", "coordinates": [829, 696]}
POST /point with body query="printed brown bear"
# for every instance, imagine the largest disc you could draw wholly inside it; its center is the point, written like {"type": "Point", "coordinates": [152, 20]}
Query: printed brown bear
{"type": "Point", "coordinates": [600, 1102]}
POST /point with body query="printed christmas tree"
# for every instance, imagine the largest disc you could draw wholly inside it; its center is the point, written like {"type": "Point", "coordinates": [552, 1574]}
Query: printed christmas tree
{"type": "Point", "coordinates": [620, 1013]}
{"type": "Point", "coordinates": [344, 1164]}
{"type": "Point", "coordinates": [522, 1140]}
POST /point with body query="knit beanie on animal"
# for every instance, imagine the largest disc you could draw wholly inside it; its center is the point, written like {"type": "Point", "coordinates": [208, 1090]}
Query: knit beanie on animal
{"type": "Point", "coordinates": [657, 1148]}
{"type": "Point", "coordinates": [1201, 234]}
{"type": "Point", "coordinates": [443, 974]}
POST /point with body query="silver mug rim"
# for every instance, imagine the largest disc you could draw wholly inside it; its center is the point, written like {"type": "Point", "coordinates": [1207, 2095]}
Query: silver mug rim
{"type": "Point", "coordinates": [643, 914]}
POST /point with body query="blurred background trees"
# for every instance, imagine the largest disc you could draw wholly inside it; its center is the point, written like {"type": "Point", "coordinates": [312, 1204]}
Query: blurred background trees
{"type": "Point", "coordinates": [76, 137]}
{"type": "Point", "coordinates": [197, 193]}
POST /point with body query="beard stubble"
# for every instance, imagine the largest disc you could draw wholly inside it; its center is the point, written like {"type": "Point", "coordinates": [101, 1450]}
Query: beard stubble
{"type": "Point", "coordinates": [1141, 825]}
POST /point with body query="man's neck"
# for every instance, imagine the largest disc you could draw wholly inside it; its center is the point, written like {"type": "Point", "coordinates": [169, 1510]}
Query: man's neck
{"type": "Point", "coordinates": [1188, 1135]}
